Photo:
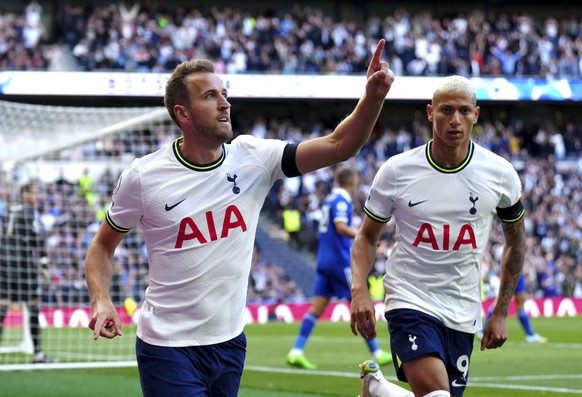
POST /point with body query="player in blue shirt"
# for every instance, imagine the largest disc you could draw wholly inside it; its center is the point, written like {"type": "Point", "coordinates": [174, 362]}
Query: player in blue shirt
{"type": "Point", "coordinates": [333, 274]}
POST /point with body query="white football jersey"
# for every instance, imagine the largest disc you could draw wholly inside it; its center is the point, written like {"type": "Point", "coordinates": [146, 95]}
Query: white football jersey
{"type": "Point", "coordinates": [199, 224]}
{"type": "Point", "coordinates": [443, 222]}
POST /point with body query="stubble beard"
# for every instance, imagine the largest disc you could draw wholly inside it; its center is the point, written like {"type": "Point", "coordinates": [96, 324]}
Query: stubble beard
{"type": "Point", "coordinates": [218, 133]}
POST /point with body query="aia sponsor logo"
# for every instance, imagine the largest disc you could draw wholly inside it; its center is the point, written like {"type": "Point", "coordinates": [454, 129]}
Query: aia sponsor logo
{"type": "Point", "coordinates": [427, 235]}
{"type": "Point", "coordinates": [209, 230]}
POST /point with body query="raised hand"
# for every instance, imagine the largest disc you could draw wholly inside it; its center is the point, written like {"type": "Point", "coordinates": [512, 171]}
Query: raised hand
{"type": "Point", "coordinates": [380, 76]}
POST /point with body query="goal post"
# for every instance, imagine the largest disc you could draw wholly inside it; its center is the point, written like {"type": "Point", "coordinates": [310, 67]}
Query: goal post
{"type": "Point", "coordinates": [73, 155]}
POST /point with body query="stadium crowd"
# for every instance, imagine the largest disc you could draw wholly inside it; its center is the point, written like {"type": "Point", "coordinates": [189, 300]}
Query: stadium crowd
{"type": "Point", "coordinates": [303, 39]}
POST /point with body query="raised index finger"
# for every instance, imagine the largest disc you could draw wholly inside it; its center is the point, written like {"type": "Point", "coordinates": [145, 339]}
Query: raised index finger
{"type": "Point", "coordinates": [378, 53]}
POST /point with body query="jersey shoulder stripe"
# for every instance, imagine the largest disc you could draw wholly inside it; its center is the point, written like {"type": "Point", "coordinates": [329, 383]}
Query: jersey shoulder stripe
{"type": "Point", "coordinates": [114, 226]}
{"type": "Point", "coordinates": [513, 220]}
{"type": "Point", "coordinates": [376, 217]}
{"type": "Point", "coordinates": [511, 214]}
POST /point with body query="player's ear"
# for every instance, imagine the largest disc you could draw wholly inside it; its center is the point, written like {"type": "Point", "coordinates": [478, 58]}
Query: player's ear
{"type": "Point", "coordinates": [181, 112]}
{"type": "Point", "coordinates": [477, 112]}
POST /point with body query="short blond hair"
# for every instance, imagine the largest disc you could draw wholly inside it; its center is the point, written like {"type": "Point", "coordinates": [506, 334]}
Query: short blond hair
{"type": "Point", "coordinates": [455, 83]}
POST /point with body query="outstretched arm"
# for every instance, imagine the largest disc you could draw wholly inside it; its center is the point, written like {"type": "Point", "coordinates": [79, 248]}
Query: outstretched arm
{"type": "Point", "coordinates": [363, 316]}
{"type": "Point", "coordinates": [351, 134]}
{"type": "Point", "coordinates": [98, 272]}
{"type": "Point", "coordinates": [495, 333]}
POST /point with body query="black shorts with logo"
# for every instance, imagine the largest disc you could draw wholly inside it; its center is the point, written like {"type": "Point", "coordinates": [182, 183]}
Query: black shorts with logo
{"type": "Point", "coordinates": [415, 334]}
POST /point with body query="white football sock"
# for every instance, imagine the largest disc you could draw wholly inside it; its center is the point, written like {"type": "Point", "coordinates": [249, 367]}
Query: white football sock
{"type": "Point", "coordinates": [381, 387]}
{"type": "Point", "coordinates": [438, 393]}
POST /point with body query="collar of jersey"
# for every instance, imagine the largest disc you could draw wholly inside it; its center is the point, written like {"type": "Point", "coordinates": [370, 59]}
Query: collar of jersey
{"type": "Point", "coordinates": [445, 170]}
{"type": "Point", "coordinates": [196, 167]}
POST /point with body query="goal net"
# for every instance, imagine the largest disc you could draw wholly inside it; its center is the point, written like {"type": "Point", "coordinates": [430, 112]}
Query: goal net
{"type": "Point", "coordinates": [73, 156]}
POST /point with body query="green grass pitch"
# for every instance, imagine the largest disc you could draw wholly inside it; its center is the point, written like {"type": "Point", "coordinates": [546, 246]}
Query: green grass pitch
{"type": "Point", "coordinates": [516, 370]}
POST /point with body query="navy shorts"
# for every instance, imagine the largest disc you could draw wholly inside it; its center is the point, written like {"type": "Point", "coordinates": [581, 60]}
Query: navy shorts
{"type": "Point", "coordinates": [414, 334]}
{"type": "Point", "coordinates": [333, 283]}
{"type": "Point", "coordinates": [213, 370]}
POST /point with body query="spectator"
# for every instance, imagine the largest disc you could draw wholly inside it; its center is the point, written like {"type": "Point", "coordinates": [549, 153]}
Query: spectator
{"type": "Point", "coordinates": [303, 40]}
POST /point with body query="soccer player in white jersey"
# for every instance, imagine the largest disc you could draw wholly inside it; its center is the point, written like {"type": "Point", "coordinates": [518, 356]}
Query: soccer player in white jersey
{"type": "Point", "coordinates": [443, 197]}
{"type": "Point", "coordinates": [198, 202]}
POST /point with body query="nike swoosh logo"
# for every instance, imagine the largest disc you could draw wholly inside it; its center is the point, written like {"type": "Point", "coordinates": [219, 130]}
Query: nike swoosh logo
{"type": "Point", "coordinates": [455, 384]}
{"type": "Point", "coordinates": [171, 207]}
{"type": "Point", "coordinates": [411, 204]}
